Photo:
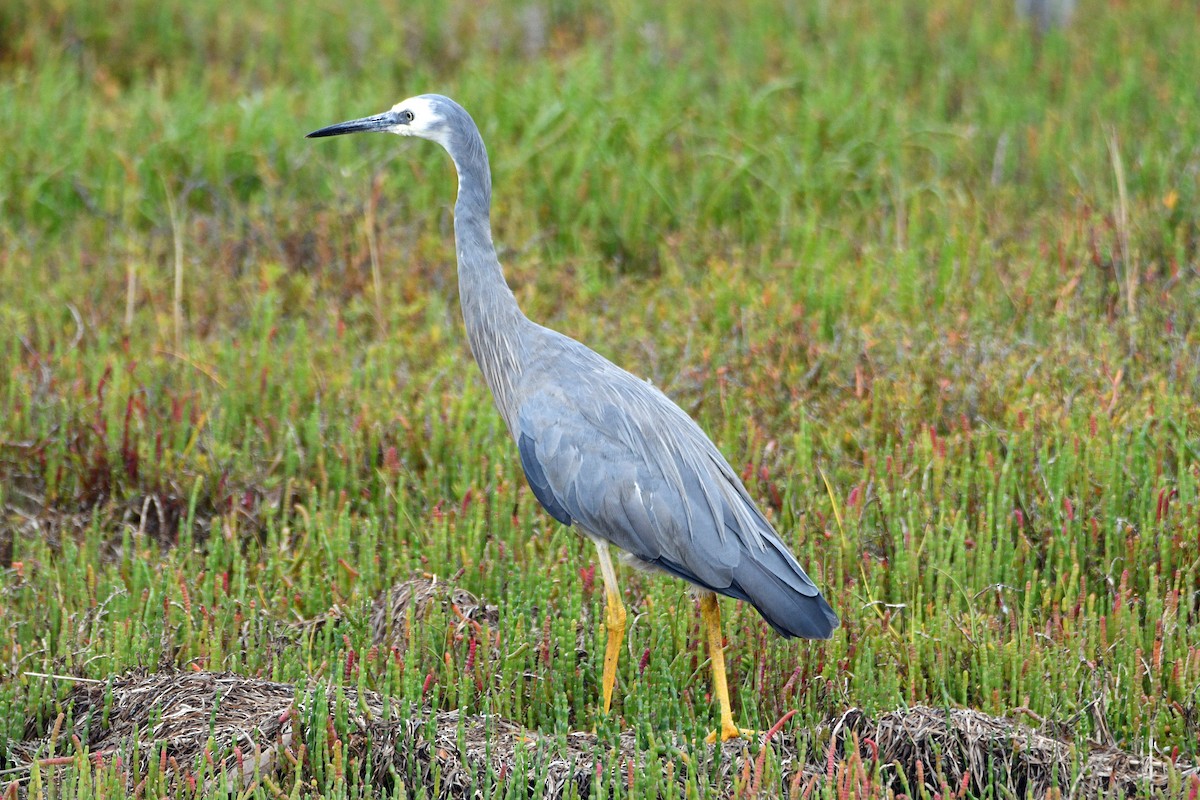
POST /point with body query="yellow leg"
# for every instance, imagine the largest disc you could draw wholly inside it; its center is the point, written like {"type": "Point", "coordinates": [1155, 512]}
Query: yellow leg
{"type": "Point", "coordinates": [710, 614]}
{"type": "Point", "coordinates": [614, 619]}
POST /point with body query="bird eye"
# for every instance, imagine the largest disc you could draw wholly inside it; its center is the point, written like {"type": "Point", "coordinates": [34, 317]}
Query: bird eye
{"type": "Point", "coordinates": [407, 116]}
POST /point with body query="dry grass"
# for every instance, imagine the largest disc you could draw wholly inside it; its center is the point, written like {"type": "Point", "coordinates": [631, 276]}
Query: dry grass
{"type": "Point", "coordinates": [971, 751]}
{"type": "Point", "coordinates": [251, 731]}
{"type": "Point", "coordinates": [392, 619]}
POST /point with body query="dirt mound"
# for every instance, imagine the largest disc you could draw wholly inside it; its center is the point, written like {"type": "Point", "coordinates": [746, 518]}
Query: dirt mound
{"type": "Point", "coordinates": [965, 751]}
{"type": "Point", "coordinates": [396, 609]}
{"type": "Point", "coordinates": [222, 729]}
{"type": "Point", "coordinates": [390, 613]}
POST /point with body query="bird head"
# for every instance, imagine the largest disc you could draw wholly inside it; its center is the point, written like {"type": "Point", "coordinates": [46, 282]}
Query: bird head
{"type": "Point", "coordinates": [428, 116]}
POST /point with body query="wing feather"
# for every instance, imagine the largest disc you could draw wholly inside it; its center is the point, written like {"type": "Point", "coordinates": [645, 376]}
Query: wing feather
{"type": "Point", "coordinates": [625, 464]}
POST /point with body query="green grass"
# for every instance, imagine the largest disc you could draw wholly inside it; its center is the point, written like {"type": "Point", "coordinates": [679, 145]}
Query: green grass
{"type": "Point", "coordinates": [933, 283]}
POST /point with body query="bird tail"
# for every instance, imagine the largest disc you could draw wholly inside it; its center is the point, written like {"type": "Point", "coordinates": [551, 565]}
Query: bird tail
{"type": "Point", "coordinates": [778, 587]}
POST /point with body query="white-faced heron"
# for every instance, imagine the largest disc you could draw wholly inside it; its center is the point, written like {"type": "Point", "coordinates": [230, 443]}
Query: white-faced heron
{"type": "Point", "coordinates": [602, 449]}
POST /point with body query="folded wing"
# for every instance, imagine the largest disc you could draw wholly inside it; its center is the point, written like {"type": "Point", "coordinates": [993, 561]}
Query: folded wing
{"type": "Point", "coordinates": [627, 465]}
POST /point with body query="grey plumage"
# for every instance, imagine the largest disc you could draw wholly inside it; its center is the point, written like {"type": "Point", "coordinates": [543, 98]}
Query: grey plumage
{"type": "Point", "coordinates": [603, 450]}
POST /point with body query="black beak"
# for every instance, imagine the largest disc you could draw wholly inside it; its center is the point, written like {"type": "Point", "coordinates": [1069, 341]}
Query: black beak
{"type": "Point", "coordinates": [379, 122]}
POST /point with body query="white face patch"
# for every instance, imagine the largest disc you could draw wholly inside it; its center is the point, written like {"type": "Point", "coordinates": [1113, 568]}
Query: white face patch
{"type": "Point", "coordinates": [426, 122]}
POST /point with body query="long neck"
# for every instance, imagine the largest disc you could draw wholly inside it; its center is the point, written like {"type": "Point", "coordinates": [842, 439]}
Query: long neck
{"type": "Point", "coordinates": [494, 322]}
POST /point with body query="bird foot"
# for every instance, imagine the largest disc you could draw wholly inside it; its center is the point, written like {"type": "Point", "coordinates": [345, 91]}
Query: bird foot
{"type": "Point", "coordinates": [731, 731]}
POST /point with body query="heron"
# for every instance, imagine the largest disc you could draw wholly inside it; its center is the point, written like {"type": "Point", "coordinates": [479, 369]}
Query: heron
{"type": "Point", "coordinates": [601, 449]}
